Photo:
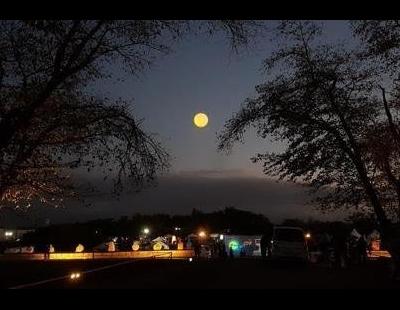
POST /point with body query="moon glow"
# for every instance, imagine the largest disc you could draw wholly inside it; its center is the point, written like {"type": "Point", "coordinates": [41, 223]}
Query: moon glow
{"type": "Point", "coordinates": [200, 120]}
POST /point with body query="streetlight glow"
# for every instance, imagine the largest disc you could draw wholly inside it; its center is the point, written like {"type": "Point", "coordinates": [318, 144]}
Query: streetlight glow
{"type": "Point", "coordinates": [202, 234]}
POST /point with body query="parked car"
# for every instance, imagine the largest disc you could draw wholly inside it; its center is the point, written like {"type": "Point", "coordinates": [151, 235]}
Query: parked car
{"type": "Point", "coordinates": [288, 243]}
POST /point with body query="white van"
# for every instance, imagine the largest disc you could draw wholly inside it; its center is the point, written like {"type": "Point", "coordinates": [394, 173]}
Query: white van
{"type": "Point", "coordinates": [288, 243]}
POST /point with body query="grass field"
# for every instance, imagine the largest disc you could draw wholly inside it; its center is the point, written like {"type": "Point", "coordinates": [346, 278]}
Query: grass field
{"type": "Point", "coordinates": [238, 273]}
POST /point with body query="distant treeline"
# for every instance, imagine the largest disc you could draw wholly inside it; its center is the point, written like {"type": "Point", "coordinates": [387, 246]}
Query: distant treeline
{"type": "Point", "coordinates": [230, 220]}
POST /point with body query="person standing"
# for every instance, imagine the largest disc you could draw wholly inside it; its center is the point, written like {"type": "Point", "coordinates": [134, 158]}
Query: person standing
{"type": "Point", "coordinates": [339, 245]}
{"type": "Point", "coordinates": [231, 252]}
{"type": "Point", "coordinates": [263, 245]}
{"type": "Point", "coordinates": [362, 250]}
{"type": "Point", "coordinates": [197, 248]}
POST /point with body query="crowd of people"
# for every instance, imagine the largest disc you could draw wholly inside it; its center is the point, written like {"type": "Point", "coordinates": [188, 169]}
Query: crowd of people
{"type": "Point", "coordinates": [338, 250]}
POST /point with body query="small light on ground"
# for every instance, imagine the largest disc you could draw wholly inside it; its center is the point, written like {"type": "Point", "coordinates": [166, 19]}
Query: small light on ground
{"type": "Point", "coordinates": [190, 259]}
{"type": "Point", "coordinates": [75, 275]}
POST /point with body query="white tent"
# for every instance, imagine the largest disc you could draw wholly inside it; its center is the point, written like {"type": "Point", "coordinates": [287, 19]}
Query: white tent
{"type": "Point", "coordinates": [27, 249]}
{"type": "Point", "coordinates": [159, 243]}
{"type": "Point", "coordinates": [24, 249]}
{"type": "Point", "coordinates": [159, 239]}
{"type": "Point", "coordinates": [12, 250]}
{"type": "Point", "coordinates": [354, 233]}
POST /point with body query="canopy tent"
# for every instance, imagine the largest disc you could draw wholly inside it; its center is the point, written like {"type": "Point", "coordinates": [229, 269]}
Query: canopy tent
{"type": "Point", "coordinates": [355, 234]}
{"type": "Point", "coordinates": [159, 239]}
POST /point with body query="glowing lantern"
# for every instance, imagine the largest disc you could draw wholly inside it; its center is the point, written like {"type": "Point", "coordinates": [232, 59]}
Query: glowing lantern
{"type": "Point", "coordinates": [111, 246]}
{"type": "Point", "coordinates": [157, 246]}
{"type": "Point", "coordinates": [80, 248]}
{"type": "Point", "coordinates": [375, 245]}
{"type": "Point", "coordinates": [136, 246]}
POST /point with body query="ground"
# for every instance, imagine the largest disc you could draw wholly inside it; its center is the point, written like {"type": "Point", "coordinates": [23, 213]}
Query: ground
{"type": "Point", "coordinates": [237, 273]}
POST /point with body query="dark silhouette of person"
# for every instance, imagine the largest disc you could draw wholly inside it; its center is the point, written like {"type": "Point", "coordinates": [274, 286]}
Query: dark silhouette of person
{"type": "Point", "coordinates": [339, 245]}
{"type": "Point", "coordinates": [362, 250]}
{"type": "Point", "coordinates": [223, 253]}
{"type": "Point", "coordinates": [46, 251]}
{"type": "Point", "coordinates": [220, 250]}
{"type": "Point", "coordinates": [231, 252]}
{"type": "Point", "coordinates": [263, 246]}
{"type": "Point", "coordinates": [324, 245]}
{"type": "Point", "coordinates": [197, 248]}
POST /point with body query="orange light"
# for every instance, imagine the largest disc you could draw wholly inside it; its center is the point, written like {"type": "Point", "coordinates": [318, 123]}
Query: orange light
{"type": "Point", "coordinates": [202, 234]}
{"type": "Point", "coordinates": [308, 235]}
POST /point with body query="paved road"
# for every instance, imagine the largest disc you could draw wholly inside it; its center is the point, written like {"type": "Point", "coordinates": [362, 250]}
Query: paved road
{"type": "Point", "coordinates": [239, 273]}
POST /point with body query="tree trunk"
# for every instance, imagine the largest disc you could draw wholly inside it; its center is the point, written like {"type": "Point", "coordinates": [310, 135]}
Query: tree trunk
{"type": "Point", "coordinates": [389, 235]}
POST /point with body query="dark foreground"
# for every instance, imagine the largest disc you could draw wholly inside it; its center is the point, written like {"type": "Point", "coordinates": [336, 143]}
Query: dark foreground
{"type": "Point", "coordinates": [239, 273]}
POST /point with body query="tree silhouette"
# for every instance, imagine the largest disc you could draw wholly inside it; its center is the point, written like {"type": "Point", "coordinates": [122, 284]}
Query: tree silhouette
{"type": "Point", "coordinates": [325, 101]}
{"type": "Point", "coordinates": [51, 124]}
{"type": "Point", "coordinates": [91, 233]}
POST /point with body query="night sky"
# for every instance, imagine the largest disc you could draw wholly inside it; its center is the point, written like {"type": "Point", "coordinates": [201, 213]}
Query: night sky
{"type": "Point", "coordinates": [202, 74]}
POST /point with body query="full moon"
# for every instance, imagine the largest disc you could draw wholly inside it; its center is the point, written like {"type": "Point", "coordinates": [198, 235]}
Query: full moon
{"type": "Point", "coordinates": [200, 120]}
